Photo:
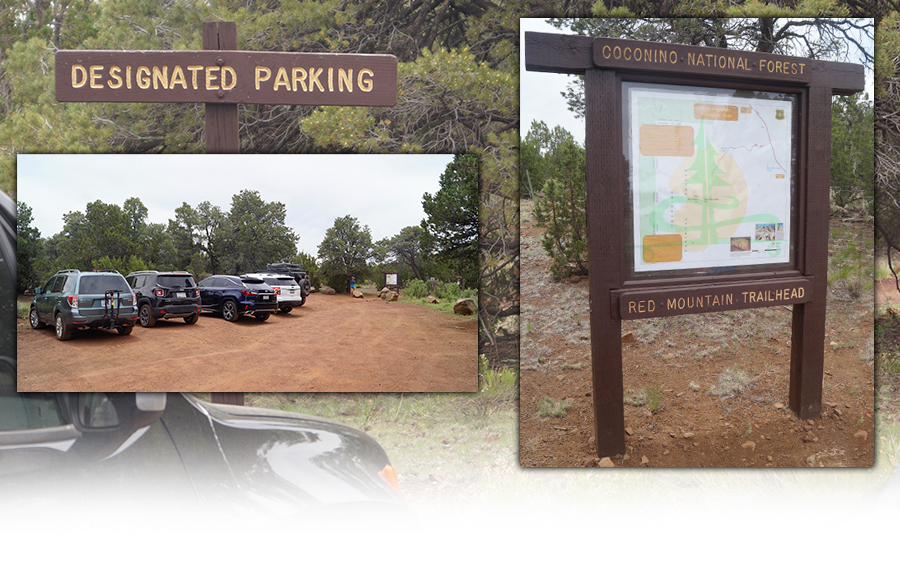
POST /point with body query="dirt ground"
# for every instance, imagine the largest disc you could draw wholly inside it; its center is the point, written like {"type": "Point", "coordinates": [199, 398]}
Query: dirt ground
{"type": "Point", "coordinates": [332, 343]}
{"type": "Point", "coordinates": [690, 358]}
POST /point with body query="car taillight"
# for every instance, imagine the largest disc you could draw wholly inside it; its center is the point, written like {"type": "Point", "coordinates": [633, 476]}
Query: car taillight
{"type": "Point", "coordinates": [389, 474]}
{"type": "Point", "coordinates": [159, 292]}
{"type": "Point", "coordinates": [197, 293]}
{"type": "Point", "coordinates": [73, 301]}
{"type": "Point", "coordinates": [248, 293]}
{"type": "Point", "coordinates": [133, 299]}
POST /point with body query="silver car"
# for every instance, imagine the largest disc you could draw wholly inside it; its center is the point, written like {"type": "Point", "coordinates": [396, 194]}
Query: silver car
{"type": "Point", "coordinates": [288, 292]}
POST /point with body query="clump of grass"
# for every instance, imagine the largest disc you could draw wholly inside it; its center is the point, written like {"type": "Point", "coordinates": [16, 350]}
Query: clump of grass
{"type": "Point", "coordinates": [548, 407]}
{"type": "Point", "coordinates": [731, 382]}
{"type": "Point", "coordinates": [693, 387]}
{"type": "Point", "coordinates": [654, 397]}
{"type": "Point", "coordinates": [22, 309]}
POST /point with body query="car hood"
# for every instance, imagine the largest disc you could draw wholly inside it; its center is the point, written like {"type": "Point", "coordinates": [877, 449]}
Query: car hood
{"type": "Point", "coordinates": [274, 459]}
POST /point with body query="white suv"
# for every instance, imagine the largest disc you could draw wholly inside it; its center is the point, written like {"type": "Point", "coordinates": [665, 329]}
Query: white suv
{"type": "Point", "coordinates": [288, 292]}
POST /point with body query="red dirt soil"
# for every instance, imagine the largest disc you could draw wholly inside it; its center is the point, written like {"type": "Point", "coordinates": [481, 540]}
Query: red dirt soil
{"type": "Point", "coordinates": [686, 356]}
{"type": "Point", "coordinates": [332, 343]}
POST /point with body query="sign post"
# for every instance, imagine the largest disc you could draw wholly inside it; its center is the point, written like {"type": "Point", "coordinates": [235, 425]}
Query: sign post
{"type": "Point", "coordinates": [707, 190]}
{"type": "Point", "coordinates": [221, 77]}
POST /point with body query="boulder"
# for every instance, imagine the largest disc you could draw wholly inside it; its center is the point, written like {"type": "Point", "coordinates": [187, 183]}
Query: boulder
{"type": "Point", "coordinates": [392, 296]}
{"type": "Point", "coordinates": [327, 290]}
{"type": "Point", "coordinates": [431, 300]}
{"type": "Point", "coordinates": [465, 306]}
{"type": "Point", "coordinates": [357, 294]}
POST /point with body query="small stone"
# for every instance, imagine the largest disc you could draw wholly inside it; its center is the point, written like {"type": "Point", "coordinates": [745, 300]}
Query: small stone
{"type": "Point", "coordinates": [629, 430]}
{"type": "Point", "coordinates": [769, 458]}
{"type": "Point", "coordinates": [645, 460]}
{"type": "Point", "coordinates": [689, 435]}
{"type": "Point", "coordinates": [687, 448]}
{"type": "Point", "coordinates": [779, 406]}
{"type": "Point", "coordinates": [810, 421]}
{"type": "Point", "coordinates": [666, 452]}
{"type": "Point", "coordinates": [625, 458]}
{"type": "Point", "coordinates": [575, 279]}
{"type": "Point", "coordinates": [749, 445]}
{"type": "Point", "coordinates": [861, 434]}
{"type": "Point", "coordinates": [627, 337]}
{"type": "Point", "coordinates": [606, 462]}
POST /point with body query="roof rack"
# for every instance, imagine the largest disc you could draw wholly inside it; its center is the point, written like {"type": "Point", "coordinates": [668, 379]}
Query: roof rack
{"type": "Point", "coordinates": [70, 271]}
{"type": "Point", "coordinates": [104, 270]}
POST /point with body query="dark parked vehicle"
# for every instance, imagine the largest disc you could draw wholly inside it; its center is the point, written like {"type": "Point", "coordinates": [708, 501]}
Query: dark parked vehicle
{"type": "Point", "coordinates": [150, 447]}
{"type": "Point", "coordinates": [294, 270]}
{"type": "Point", "coordinates": [233, 297]}
{"type": "Point", "coordinates": [165, 295]}
{"type": "Point", "coordinates": [74, 300]}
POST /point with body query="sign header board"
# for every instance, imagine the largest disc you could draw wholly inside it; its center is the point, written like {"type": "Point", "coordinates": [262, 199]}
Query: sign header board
{"type": "Point", "coordinates": [226, 76]}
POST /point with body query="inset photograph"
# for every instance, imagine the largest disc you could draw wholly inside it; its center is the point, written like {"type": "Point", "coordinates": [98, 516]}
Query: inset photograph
{"type": "Point", "coordinates": [247, 273]}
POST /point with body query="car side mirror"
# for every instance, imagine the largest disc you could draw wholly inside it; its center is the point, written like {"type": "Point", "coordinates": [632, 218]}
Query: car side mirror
{"type": "Point", "coordinates": [37, 290]}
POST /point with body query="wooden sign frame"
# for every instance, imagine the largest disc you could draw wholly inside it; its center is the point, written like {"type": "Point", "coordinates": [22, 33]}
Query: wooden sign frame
{"type": "Point", "coordinates": [615, 292]}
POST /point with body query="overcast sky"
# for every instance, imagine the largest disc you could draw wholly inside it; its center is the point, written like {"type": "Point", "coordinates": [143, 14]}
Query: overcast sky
{"type": "Point", "coordinates": [381, 191]}
{"type": "Point", "coordinates": [541, 97]}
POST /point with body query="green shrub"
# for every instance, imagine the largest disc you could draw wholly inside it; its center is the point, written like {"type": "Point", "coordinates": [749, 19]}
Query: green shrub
{"type": "Point", "coordinates": [416, 288]}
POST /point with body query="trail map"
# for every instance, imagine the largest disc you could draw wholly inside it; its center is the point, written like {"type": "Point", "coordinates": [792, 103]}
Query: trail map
{"type": "Point", "coordinates": [711, 178]}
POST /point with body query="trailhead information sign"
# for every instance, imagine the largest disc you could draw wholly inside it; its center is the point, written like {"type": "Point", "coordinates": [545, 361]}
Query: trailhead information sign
{"type": "Point", "coordinates": [711, 176]}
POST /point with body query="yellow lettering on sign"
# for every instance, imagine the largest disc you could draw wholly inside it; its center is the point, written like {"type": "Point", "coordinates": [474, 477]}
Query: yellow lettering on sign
{"type": "Point", "coordinates": [194, 70]}
{"type": "Point", "coordinates": [262, 74]}
{"type": "Point", "coordinates": [142, 77]}
{"type": "Point", "coordinates": [79, 76]}
{"type": "Point", "coordinates": [345, 79]}
{"type": "Point", "coordinates": [178, 77]}
{"type": "Point", "coordinates": [314, 78]}
{"type": "Point", "coordinates": [114, 75]}
{"type": "Point", "coordinates": [211, 77]}
{"type": "Point", "coordinates": [226, 72]}
{"type": "Point", "coordinates": [365, 84]}
{"type": "Point", "coordinates": [95, 75]}
{"type": "Point", "coordinates": [330, 79]}
{"type": "Point", "coordinates": [281, 80]}
{"type": "Point", "coordinates": [671, 304]}
{"type": "Point", "coordinates": [161, 76]}
{"type": "Point", "coordinates": [298, 75]}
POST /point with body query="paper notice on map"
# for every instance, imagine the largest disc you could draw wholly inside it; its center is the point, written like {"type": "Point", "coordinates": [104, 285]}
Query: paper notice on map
{"type": "Point", "coordinates": [710, 177]}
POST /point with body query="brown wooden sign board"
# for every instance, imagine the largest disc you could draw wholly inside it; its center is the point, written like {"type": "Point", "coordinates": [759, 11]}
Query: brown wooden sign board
{"type": "Point", "coordinates": [636, 303]}
{"type": "Point", "coordinates": [226, 76]}
{"type": "Point", "coordinates": [618, 288]}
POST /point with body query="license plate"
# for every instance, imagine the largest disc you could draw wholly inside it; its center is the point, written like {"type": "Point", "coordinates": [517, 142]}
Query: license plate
{"type": "Point", "coordinates": [180, 295]}
{"type": "Point", "coordinates": [265, 298]}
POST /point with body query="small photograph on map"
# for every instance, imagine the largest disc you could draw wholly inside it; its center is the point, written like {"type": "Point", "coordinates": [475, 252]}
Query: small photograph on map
{"type": "Point", "coordinates": [765, 232]}
{"type": "Point", "coordinates": [779, 231]}
{"type": "Point", "coordinates": [740, 244]}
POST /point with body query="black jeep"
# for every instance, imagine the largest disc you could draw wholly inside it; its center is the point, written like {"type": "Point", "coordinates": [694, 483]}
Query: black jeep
{"type": "Point", "coordinates": [165, 295]}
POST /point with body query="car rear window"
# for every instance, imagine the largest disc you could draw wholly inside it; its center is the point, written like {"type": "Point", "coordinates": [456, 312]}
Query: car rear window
{"type": "Point", "coordinates": [100, 283]}
{"type": "Point", "coordinates": [253, 281]}
{"type": "Point", "coordinates": [175, 281]}
{"type": "Point", "coordinates": [286, 281]}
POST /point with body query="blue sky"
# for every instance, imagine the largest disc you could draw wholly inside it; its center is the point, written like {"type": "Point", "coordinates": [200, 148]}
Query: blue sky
{"type": "Point", "coordinates": [381, 191]}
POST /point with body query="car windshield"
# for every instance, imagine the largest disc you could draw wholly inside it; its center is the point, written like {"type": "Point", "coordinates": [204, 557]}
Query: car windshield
{"type": "Point", "coordinates": [175, 281]}
{"type": "Point", "coordinates": [100, 283]}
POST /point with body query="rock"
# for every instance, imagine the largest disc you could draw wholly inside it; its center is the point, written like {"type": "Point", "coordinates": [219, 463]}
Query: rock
{"type": "Point", "coordinates": [392, 296]}
{"type": "Point", "coordinates": [328, 290]}
{"type": "Point", "coordinates": [749, 445]}
{"type": "Point", "coordinates": [779, 406]}
{"type": "Point", "coordinates": [465, 307]}
{"type": "Point", "coordinates": [629, 430]}
{"type": "Point", "coordinates": [627, 337]}
{"type": "Point", "coordinates": [645, 460]}
{"type": "Point", "coordinates": [431, 300]}
{"type": "Point", "coordinates": [606, 462]}
{"type": "Point", "coordinates": [575, 279]}
{"type": "Point", "coordinates": [689, 435]}
{"type": "Point", "coordinates": [357, 294]}
{"type": "Point", "coordinates": [385, 290]}
{"type": "Point", "coordinates": [862, 434]}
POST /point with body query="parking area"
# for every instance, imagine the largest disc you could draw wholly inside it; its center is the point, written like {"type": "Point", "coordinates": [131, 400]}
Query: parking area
{"type": "Point", "coordinates": [333, 343]}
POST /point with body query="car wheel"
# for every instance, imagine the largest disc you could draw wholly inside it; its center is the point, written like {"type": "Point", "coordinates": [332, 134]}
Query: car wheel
{"type": "Point", "coordinates": [286, 309]}
{"type": "Point", "coordinates": [262, 317]}
{"type": "Point", "coordinates": [303, 301]}
{"type": "Point", "coordinates": [146, 316]}
{"type": "Point", "coordinates": [125, 330]}
{"type": "Point", "coordinates": [192, 319]}
{"type": "Point", "coordinates": [35, 320]}
{"type": "Point", "coordinates": [229, 310]}
{"type": "Point", "coordinates": [62, 332]}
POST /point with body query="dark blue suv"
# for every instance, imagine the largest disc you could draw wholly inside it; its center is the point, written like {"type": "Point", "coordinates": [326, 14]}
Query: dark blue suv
{"type": "Point", "coordinates": [232, 297]}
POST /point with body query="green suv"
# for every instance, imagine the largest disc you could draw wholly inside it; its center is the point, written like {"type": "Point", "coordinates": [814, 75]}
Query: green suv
{"type": "Point", "coordinates": [74, 300]}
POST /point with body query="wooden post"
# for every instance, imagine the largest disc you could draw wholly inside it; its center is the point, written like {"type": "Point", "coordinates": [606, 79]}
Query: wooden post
{"type": "Point", "coordinates": [221, 118]}
{"type": "Point", "coordinates": [604, 163]}
{"type": "Point", "coordinates": [808, 321]}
